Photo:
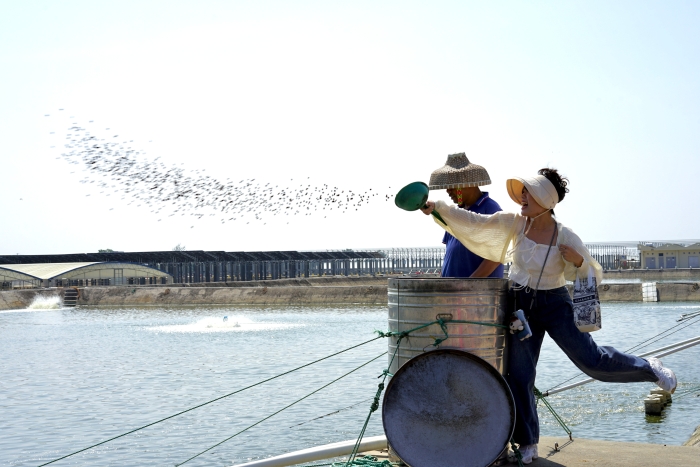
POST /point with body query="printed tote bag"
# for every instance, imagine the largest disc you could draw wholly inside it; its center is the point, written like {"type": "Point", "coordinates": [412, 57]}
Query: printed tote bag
{"type": "Point", "coordinates": [587, 304]}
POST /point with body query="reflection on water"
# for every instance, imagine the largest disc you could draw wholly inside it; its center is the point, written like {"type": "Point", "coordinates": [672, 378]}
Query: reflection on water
{"type": "Point", "coordinates": [76, 376]}
{"type": "Point", "coordinates": [234, 323]}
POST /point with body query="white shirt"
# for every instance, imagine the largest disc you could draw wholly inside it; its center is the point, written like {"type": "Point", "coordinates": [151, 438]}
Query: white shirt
{"type": "Point", "coordinates": [500, 237]}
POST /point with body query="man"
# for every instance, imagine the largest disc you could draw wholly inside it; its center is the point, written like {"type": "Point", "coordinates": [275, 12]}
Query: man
{"type": "Point", "coordinates": [462, 180]}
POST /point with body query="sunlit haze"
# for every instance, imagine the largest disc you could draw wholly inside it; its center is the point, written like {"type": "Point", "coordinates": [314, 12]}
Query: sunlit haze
{"type": "Point", "coordinates": [354, 95]}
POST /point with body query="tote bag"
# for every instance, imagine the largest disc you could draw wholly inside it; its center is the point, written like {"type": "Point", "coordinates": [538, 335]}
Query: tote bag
{"type": "Point", "coordinates": [587, 304]}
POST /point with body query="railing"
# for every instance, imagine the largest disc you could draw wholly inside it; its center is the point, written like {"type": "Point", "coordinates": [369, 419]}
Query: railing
{"type": "Point", "coordinates": [615, 256]}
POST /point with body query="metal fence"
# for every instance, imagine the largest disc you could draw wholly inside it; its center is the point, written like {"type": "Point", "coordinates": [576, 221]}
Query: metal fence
{"type": "Point", "coordinates": [615, 256]}
{"type": "Point", "coordinates": [314, 264]}
{"type": "Point", "coordinates": [219, 266]}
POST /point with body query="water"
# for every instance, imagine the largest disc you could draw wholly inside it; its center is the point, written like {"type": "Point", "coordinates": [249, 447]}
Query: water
{"type": "Point", "coordinates": [46, 303]}
{"type": "Point", "coordinates": [72, 377]}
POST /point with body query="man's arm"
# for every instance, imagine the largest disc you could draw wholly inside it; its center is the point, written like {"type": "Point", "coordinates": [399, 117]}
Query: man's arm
{"type": "Point", "coordinates": [485, 268]}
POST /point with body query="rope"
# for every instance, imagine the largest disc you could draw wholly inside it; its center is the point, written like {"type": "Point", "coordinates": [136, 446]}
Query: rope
{"type": "Point", "coordinates": [443, 326]}
{"type": "Point", "coordinates": [686, 392]}
{"type": "Point", "coordinates": [650, 341]}
{"type": "Point", "coordinates": [367, 461]}
{"type": "Point", "coordinates": [373, 407]}
{"type": "Point", "coordinates": [516, 452]}
{"type": "Point", "coordinates": [541, 397]}
{"type": "Point", "coordinates": [282, 409]}
{"type": "Point", "coordinates": [332, 413]}
{"type": "Point", "coordinates": [211, 401]}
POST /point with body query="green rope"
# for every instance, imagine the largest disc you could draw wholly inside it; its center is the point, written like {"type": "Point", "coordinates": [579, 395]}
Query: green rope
{"type": "Point", "coordinates": [211, 401]}
{"type": "Point", "coordinates": [440, 322]}
{"type": "Point", "coordinates": [516, 451]}
{"type": "Point", "coordinates": [369, 461]}
{"type": "Point", "coordinates": [373, 408]}
{"type": "Point", "coordinates": [541, 397]}
{"type": "Point", "coordinates": [282, 409]}
{"type": "Point", "coordinates": [443, 326]}
{"type": "Point", "coordinates": [366, 461]}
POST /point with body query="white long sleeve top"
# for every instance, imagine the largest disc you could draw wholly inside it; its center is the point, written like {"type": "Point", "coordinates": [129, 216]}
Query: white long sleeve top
{"type": "Point", "coordinates": [500, 237]}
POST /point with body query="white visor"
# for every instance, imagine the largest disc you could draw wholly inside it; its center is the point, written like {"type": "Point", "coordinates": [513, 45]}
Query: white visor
{"type": "Point", "coordinates": [539, 187]}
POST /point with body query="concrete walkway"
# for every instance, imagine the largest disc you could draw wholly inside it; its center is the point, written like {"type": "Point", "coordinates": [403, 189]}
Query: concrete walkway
{"type": "Point", "coordinates": [588, 453]}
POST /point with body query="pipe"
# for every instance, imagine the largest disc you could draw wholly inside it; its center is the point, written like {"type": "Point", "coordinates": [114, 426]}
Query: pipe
{"type": "Point", "coordinates": [326, 451]}
{"type": "Point", "coordinates": [685, 316]}
{"type": "Point", "coordinates": [678, 346]}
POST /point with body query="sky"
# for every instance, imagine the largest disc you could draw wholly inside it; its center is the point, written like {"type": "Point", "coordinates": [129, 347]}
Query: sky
{"type": "Point", "coordinates": [356, 95]}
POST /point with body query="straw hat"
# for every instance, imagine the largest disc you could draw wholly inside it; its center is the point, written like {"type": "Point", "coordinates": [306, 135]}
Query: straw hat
{"type": "Point", "coordinates": [458, 172]}
{"type": "Point", "coordinates": [539, 187]}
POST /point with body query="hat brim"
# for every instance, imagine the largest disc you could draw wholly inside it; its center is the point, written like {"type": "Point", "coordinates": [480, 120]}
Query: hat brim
{"type": "Point", "coordinates": [460, 185]}
{"type": "Point", "coordinates": [541, 189]}
{"type": "Point", "coordinates": [515, 189]}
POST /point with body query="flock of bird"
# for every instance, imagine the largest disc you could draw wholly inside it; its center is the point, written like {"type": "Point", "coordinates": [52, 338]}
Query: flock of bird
{"type": "Point", "coordinates": [116, 167]}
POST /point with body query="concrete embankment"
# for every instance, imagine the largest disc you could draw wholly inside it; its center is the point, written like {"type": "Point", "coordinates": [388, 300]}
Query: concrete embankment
{"type": "Point", "coordinates": [666, 291]}
{"type": "Point", "coordinates": [311, 291]}
{"type": "Point", "coordinates": [370, 294]}
{"type": "Point", "coordinates": [652, 275]}
{"type": "Point", "coordinates": [17, 299]}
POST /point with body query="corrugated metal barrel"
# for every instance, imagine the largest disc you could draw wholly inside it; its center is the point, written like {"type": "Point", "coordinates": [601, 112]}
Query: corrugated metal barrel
{"type": "Point", "coordinates": [416, 301]}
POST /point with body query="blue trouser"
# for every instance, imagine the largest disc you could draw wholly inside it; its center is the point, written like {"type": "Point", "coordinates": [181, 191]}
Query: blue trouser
{"type": "Point", "coordinates": [552, 312]}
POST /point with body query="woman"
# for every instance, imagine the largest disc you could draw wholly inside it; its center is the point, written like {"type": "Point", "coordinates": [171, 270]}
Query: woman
{"type": "Point", "coordinates": [538, 274]}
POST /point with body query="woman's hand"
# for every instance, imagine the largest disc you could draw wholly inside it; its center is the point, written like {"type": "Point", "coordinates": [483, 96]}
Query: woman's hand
{"type": "Point", "coordinates": [571, 255]}
{"type": "Point", "coordinates": [428, 208]}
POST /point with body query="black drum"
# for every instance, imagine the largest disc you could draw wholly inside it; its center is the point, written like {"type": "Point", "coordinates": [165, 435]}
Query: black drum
{"type": "Point", "coordinates": [448, 408]}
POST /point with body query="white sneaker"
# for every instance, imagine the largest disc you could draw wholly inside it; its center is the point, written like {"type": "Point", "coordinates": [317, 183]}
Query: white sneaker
{"type": "Point", "coordinates": [529, 453]}
{"type": "Point", "coordinates": [667, 378]}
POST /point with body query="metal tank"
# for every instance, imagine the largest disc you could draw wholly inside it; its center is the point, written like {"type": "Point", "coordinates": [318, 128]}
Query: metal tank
{"type": "Point", "coordinates": [415, 301]}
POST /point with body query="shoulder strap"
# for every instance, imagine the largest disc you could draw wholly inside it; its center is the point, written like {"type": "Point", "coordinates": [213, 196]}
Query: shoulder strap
{"type": "Point", "coordinates": [551, 242]}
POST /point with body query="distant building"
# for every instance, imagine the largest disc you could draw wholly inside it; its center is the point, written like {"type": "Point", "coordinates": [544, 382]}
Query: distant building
{"type": "Point", "coordinates": [669, 255]}
{"type": "Point", "coordinates": [79, 274]}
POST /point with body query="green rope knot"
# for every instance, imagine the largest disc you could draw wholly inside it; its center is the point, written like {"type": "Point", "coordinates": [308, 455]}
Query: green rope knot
{"type": "Point", "coordinates": [438, 341]}
{"type": "Point", "coordinates": [443, 325]}
{"type": "Point", "coordinates": [400, 335]}
{"type": "Point", "coordinates": [375, 402]}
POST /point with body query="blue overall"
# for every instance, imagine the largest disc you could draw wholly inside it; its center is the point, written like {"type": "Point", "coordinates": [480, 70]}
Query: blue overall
{"type": "Point", "coordinates": [552, 312]}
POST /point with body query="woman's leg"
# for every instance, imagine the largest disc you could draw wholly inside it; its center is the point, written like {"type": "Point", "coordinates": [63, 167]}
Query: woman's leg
{"type": "Point", "coordinates": [522, 362]}
{"type": "Point", "coordinates": [602, 363]}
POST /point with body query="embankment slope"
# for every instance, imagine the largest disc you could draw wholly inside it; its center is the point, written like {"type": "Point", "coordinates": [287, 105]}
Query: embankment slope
{"type": "Point", "coordinates": [312, 291]}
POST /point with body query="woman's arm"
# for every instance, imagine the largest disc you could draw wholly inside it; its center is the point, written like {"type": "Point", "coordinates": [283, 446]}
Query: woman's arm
{"type": "Point", "coordinates": [487, 235]}
{"type": "Point", "coordinates": [485, 268]}
{"type": "Point", "coordinates": [572, 267]}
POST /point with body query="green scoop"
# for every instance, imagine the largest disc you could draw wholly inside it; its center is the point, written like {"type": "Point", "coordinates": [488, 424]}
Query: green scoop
{"type": "Point", "coordinates": [413, 197]}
